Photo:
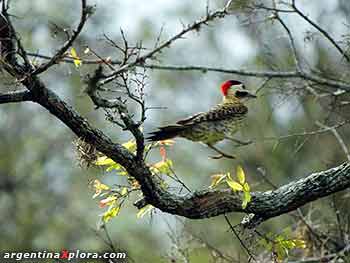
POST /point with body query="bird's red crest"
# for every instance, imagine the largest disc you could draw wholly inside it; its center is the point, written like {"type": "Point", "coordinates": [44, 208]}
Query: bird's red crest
{"type": "Point", "coordinates": [227, 84]}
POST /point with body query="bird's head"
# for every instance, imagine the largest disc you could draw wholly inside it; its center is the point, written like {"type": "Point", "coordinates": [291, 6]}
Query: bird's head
{"type": "Point", "coordinates": [234, 90]}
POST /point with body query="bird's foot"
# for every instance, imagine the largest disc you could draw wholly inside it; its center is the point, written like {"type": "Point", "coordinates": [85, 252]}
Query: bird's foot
{"type": "Point", "coordinates": [221, 153]}
{"type": "Point", "coordinates": [220, 156]}
{"type": "Point", "coordinates": [239, 142]}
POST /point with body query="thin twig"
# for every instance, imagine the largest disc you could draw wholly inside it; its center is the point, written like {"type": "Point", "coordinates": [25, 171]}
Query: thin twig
{"type": "Point", "coordinates": [238, 237]}
{"type": "Point", "coordinates": [321, 30]}
{"type": "Point", "coordinates": [217, 252]}
{"type": "Point", "coordinates": [258, 74]}
{"type": "Point", "coordinates": [292, 43]}
{"type": "Point", "coordinates": [58, 56]}
{"type": "Point", "coordinates": [261, 6]}
{"type": "Point", "coordinates": [16, 96]}
{"type": "Point", "coordinates": [302, 134]}
{"type": "Point", "coordinates": [242, 72]}
{"type": "Point", "coordinates": [142, 59]}
{"type": "Point", "coordinates": [338, 137]}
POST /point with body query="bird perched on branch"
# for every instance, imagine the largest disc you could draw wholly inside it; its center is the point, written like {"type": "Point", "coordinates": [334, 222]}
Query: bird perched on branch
{"type": "Point", "coordinates": [219, 123]}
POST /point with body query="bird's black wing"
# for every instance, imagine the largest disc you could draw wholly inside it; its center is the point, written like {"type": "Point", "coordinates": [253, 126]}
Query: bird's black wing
{"type": "Point", "coordinates": [190, 119]}
{"type": "Point", "coordinates": [220, 112]}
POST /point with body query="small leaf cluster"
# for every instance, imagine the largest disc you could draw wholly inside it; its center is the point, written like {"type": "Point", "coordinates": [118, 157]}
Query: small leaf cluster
{"type": "Point", "coordinates": [114, 197]}
{"type": "Point", "coordinates": [280, 245]}
{"type": "Point", "coordinates": [237, 186]}
{"type": "Point", "coordinates": [111, 198]}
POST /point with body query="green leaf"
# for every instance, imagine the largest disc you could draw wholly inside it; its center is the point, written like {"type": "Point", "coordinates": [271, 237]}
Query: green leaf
{"type": "Point", "coordinates": [246, 199]}
{"type": "Point", "coordinates": [110, 213]}
{"type": "Point", "coordinates": [112, 165]}
{"type": "Point", "coordinates": [162, 167]}
{"type": "Point", "coordinates": [130, 145]}
{"type": "Point", "coordinates": [115, 166]}
{"type": "Point", "coordinates": [246, 187]}
{"type": "Point", "coordinates": [124, 191]}
{"type": "Point", "coordinates": [288, 244]}
{"type": "Point", "coordinates": [216, 179]}
{"type": "Point", "coordinates": [104, 160]}
{"type": "Point", "coordinates": [281, 252]}
{"type": "Point", "coordinates": [77, 61]}
{"type": "Point", "coordinates": [240, 175]}
{"type": "Point", "coordinates": [234, 185]}
{"type": "Point", "coordinates": [144, 210]}
{"type": "Point", "coordinates": [99, 188]}
{"type": "Point", "coordinates": [299, 243]}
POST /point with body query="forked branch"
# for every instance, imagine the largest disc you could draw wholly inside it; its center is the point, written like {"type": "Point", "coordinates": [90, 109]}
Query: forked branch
{"type": "Point", "coordinates": [195, 205]}
{"type": "Point", "coordinates": [85, 11]}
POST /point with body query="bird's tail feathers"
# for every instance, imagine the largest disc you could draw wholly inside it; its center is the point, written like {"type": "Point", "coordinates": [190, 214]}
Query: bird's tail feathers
{"type": "Point", "coordinates": [166, 132]}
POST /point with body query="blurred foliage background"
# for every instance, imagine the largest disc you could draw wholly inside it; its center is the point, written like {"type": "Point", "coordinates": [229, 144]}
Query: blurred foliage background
{"type": "Point", "coordinates": [45, 198]}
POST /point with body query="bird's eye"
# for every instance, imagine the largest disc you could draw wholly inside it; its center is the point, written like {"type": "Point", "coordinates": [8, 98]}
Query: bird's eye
{"type": "Point", "coordinates": [241, 93]}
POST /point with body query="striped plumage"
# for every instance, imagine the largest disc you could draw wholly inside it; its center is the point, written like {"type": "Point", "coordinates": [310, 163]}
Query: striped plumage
{"type": "Point", "coordinates": [218, 123]}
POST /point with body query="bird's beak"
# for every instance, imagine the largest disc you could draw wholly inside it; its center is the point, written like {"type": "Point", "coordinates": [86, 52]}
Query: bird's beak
{"type": "Point", "coordinates": [251, 95]}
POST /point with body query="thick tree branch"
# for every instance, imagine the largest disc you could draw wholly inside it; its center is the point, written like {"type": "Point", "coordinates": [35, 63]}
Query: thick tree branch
{"type": "Point", "coordinates": [200, 204]}
{"type": "Point", "coordinates": [16, 96]}
{"type": "Point", "coordinates": [136, 168]}
{"type": "Point", "coordinates": [8, 46]}
{"type": "Point", "coordinates": [269, 204]}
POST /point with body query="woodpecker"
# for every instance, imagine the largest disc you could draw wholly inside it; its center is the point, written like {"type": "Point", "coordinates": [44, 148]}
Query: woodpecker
{"type": "Point", "coordinates": [219, 123]}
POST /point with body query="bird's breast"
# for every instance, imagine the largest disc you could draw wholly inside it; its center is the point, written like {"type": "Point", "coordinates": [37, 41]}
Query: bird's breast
{"type": "Point", "coordinates": [210, 132]}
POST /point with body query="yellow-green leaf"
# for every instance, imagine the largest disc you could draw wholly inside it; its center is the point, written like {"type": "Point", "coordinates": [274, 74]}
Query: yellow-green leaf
{"type": "Point", "coordinates": [112, 165]}
{"type": "Point", "coordinates": [280, 244]}
{"type": "Point", "coordinates": [104, 160]}
{"type": "Point", "coordinates": [281, 252]}
{"type": "Point", "coordinates": [99, 187]}
{"type": "Point", "coordinates": [115, 166]}
{"type": "Point", "coordinates": [299, 243]}
{"type": "Point", "coordinates": [246, 187]}
{"type": "Point", "coordinates": [77, 61]}
{"type": "Point", "coordinates": [234, 185]}
{"type": "Point", "coordinates": [122, 172]}
{"type": "Point", "coordinates": [162, 167]}
{"type": "Point", "coordinates": [130, 145]}
{"type": "Point", "coordinates": [110, 213]}
{"type": "Point", "coordinates": [216, 179]}
{"type": "Point", "coordinates": [240, 175]}
{"type": "Point", "coordinates": [124, 191]}
{"type": "Point", "coordinates": [144, 210]}
{"type": "Point", "coordinates": [246, 199]}
{"type": "Point", "coordinates": [288, 244]}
